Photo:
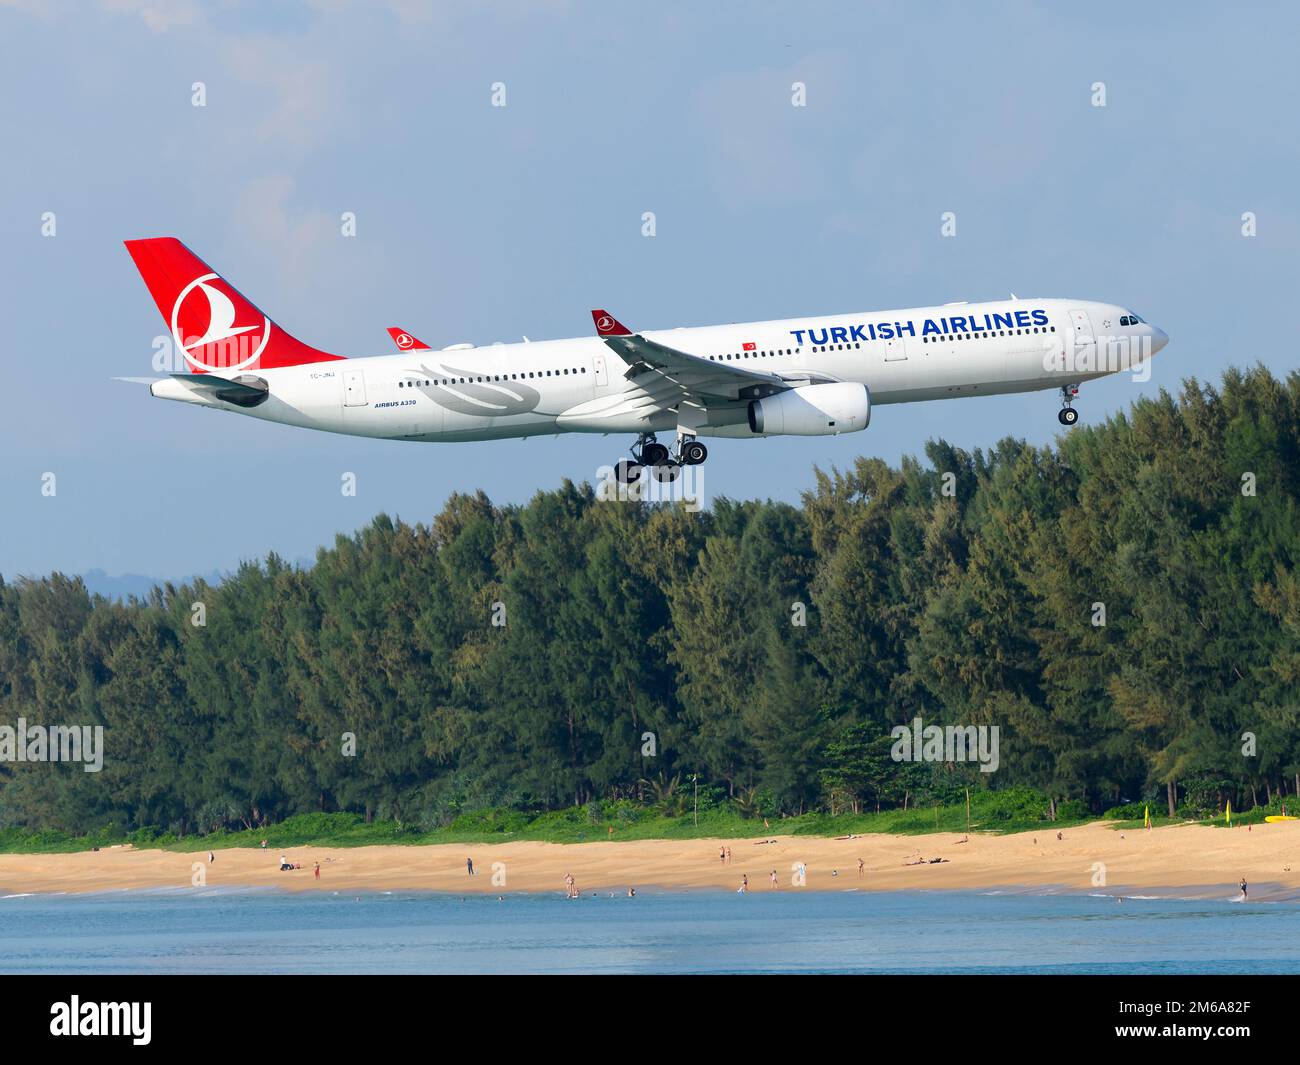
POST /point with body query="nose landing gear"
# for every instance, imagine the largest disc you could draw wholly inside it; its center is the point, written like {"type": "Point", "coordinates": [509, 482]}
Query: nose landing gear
{"type": "Point", "coordinates": [1067, 415]}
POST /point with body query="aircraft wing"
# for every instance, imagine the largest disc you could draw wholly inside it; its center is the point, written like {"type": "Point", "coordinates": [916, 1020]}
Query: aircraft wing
{"type": "Point", "coordinates": [703, 382]}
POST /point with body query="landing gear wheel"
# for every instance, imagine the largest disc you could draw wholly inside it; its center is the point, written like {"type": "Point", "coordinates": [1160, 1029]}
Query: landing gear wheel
{"type": "Point", "coordinates": [626, 471]}
{"type": "Point", "coordinates": [666, 472]}
{"type": "Point", "coordinates": [653, 454]}
{"type": "Point", "coordinates": [693, 453]}
{"type": "Point", "coordinates": [1067, 416]}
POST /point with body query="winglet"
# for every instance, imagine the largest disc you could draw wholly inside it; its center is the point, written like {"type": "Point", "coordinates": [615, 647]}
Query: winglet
{"type": "Point", "coordinates": [404, 340]}
{"type": "Point", "coordinates": [609, 326]}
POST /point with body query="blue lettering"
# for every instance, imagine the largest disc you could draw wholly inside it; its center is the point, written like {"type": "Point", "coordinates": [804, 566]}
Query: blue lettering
{"type": "Point", "coordinates": [857, 334]}
{"type": "Point", "coordinates": [1002, 321]}
{"type": "Point", "coordinates": [1040, 317]}
{"type": "Point", "coordinates": [813, 338]}
{"type": "Point", "coordinates": [929, 327]}
{"type": "Point", "coordinates": [798, 336]}
{"type": "Point", "coordinates": [839, 334]}
{"type": "Point", "coordinates": [885, 331]}
{"type": "Point", "coordinates": [905, 327]}
{"type": "Point", "coordinates": [1022, 318]}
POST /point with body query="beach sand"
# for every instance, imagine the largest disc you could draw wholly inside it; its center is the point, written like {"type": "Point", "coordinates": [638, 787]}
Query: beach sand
{"type": "Point", "coordinates": [1183, 860]}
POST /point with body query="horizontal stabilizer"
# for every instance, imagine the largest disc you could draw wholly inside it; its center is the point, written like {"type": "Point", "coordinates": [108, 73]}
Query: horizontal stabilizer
{"type": "Point", "coordinates": [243, 391]}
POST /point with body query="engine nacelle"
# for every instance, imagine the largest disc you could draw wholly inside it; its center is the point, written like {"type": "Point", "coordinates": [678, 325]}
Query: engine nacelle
{"type": "Point", "coordinates": [813, 410]}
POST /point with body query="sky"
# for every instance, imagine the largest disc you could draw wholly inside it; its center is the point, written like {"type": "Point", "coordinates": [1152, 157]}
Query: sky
{"type": "Point", "coordinates": [479, 223]}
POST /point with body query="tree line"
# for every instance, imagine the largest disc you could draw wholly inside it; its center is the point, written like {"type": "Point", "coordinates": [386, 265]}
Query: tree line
{"type": "Point", "coordinates": [1123, 605]}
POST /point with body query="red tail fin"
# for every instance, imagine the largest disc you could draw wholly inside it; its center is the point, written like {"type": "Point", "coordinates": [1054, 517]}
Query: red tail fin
{"type": "Point", "coordinates": [609, 326]}
{"type": "Point", "coordinates": [404, 340]}
{"type": "Point", "coordinates": [213, 326]}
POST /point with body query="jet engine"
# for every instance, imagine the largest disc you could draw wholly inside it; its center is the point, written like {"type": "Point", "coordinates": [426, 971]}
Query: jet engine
{"type": "Point", "coordinates": [812, 410]}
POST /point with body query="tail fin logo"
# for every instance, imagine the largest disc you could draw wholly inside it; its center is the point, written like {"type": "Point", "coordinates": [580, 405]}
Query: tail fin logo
{"type": "Point", "coordinates": [203, 326]}
{"type": "Point", "coordinates": [404, 341]}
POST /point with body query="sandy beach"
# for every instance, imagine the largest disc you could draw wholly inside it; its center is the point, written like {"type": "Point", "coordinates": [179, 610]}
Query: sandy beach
{"type": "Point", "coordinates": [1187, 860]}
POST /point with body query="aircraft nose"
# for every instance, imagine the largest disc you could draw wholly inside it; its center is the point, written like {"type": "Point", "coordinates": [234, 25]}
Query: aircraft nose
{"type": "Point", "coordinates": [1159, 338]}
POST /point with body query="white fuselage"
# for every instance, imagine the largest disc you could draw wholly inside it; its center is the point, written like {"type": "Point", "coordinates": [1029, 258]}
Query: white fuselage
{"type": "Point", "coordinates": [580, 385]}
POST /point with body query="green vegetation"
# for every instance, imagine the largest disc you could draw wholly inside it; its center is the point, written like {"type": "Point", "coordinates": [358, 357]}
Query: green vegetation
{"type": "Point", "coordinates": [964, 590]}
{"type": "Point", "coordinates": [1014, 810]}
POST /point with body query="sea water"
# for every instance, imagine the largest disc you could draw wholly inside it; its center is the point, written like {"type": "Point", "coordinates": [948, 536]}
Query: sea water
{"type": "Point", "coordinates": [267, 931]}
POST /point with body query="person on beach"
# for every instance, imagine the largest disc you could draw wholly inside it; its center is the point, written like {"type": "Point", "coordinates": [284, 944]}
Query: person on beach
{"type": "Point", "coordinates": [722, 855]}
{"type": "Point", "coordinates": [318, 870]}
{"type": "Point", "coordinates": [1243, 887]}
{"type": "Point", "coordinates": [728, 854]}
{"type": "Point", "coordinates": [775, 883]}
{"type": "Point", "coordinates": [631, 893]}
{"type": "Point", "coordinates": [211, 857]}
{"type": "Point", "coordinates": [861, 864]}
{"type": "Point", "coordinates": [744, 883]}
{"type": "Point", "coordinates": [469, 866]}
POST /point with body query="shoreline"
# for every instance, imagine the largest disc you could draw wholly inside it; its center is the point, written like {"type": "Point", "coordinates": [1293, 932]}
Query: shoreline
{"type": "Point", "coordinates": [1273, 893]}
{"type": "Point", "coordinates": [1088, 859]}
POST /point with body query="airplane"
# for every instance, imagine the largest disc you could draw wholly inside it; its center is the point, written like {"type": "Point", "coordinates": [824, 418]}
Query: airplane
{"type": "Point", "coordinates": [816, 376]}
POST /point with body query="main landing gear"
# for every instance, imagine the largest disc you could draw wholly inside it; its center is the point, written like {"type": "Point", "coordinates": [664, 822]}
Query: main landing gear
{"type": "Point", "coordinates": [1067, 415]}
{"type": "Point", "coordinates": [664, 464]}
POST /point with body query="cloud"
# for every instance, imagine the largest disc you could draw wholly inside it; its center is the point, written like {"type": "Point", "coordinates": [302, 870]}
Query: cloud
{"type": "Point", "coordinates": [298, 236]}
{"type": "Point", "coordinates": [298, 106]}
{"type": "Point", "coordinates": [159, 15]}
